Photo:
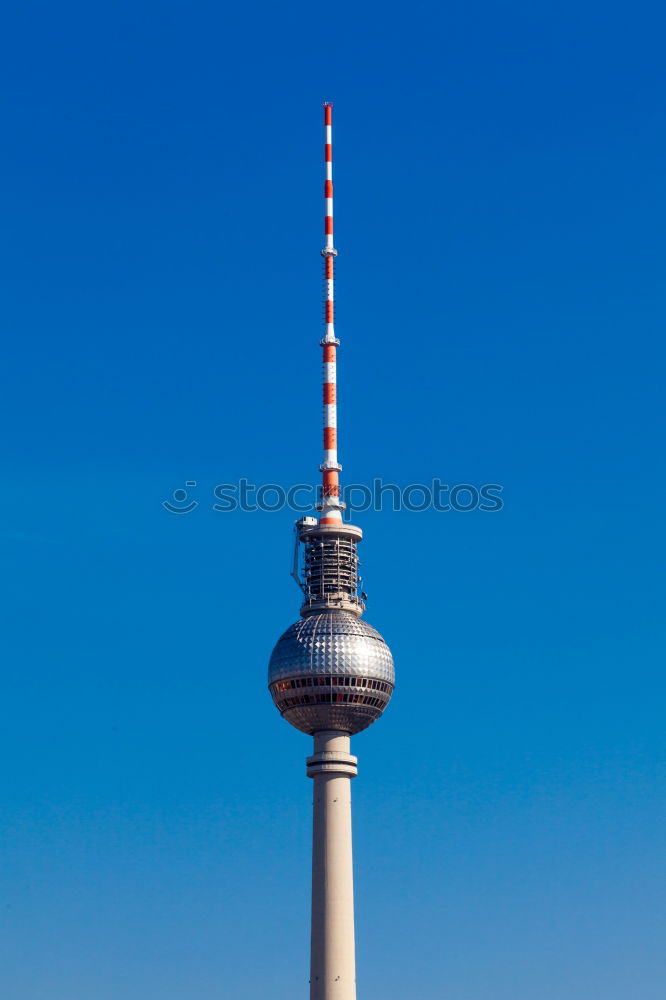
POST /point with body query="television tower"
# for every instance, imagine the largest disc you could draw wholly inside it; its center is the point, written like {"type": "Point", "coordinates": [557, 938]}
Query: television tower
{"type": "Point", "coordinates": [331, 674]}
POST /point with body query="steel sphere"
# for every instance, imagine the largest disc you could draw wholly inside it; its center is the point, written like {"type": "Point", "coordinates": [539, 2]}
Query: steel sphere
{"type": "Point", "coordinates": [331, 671]}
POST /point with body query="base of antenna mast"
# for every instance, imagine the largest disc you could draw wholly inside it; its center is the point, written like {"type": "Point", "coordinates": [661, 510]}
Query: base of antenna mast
{"type": "Point", "coordinates": [330, 572]}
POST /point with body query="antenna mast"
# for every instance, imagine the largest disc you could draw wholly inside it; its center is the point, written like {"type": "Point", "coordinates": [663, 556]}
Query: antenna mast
{"type": "Point", "coordinates": [331, 506]}
{"type": "Point", "coordinates": [330, 578]}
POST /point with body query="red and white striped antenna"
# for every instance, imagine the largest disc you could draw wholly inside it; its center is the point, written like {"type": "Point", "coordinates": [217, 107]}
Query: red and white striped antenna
{"type": "Point", "coordinates": [331, 506]}
{"type": "Point", "coordinates": [328, 574]}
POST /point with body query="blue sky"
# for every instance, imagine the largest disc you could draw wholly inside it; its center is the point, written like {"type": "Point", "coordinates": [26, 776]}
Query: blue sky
{"type": "Point", "coordinates": [500, 216]}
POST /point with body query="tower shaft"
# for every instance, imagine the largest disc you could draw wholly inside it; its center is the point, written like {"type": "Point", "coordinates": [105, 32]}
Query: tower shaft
{"type": "Point", "coordinates": [333, 961]}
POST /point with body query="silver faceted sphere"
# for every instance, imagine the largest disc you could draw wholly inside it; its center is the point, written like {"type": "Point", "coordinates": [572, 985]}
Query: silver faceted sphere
{"type": "Point", "coordinates": [331, 671]}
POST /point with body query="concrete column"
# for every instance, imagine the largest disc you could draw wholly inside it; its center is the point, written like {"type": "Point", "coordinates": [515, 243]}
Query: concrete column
{"type": "Point", "coordinates": [333, 963]}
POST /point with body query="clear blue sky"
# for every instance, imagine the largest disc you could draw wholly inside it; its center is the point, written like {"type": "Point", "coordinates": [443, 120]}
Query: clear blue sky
{"type": "Point", "coordinates": [500, 216]}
